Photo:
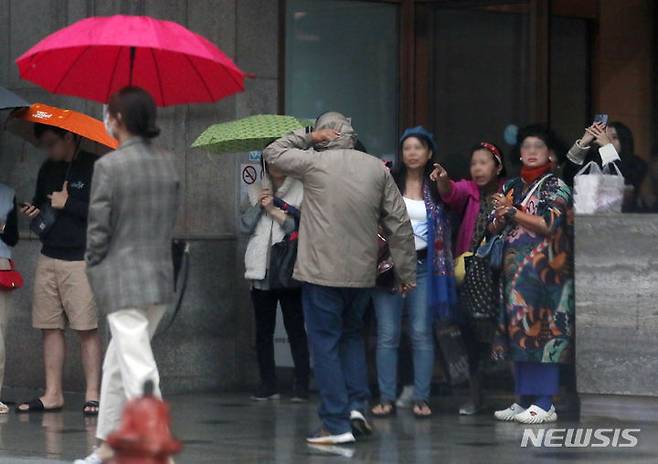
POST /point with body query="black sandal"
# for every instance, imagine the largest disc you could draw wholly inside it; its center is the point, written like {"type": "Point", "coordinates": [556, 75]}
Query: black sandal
{"type": "Point", "coordinates": [89, 405]}
{"type": "Point", "coordinates": [421, 405]}
{"type": "Point", "coordinates": [35, 405]}
{"type": "Point", "coordinates": [391, 412]}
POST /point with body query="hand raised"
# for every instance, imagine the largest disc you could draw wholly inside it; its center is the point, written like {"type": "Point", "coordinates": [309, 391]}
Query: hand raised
{"type": "Point", "coordinates": [324, 135]}
{"type": "Point", "coordinates": [439, 172]}
{"type": "Point", "coordinates": [58, 199]}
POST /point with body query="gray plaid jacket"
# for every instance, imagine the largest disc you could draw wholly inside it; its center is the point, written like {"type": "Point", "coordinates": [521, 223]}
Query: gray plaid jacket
{"type": "Point", "coordinates": [132, 213]}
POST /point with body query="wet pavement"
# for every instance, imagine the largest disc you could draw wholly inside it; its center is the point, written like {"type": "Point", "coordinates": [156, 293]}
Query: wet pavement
{"type": "Point", "coordinates": [229, 428]}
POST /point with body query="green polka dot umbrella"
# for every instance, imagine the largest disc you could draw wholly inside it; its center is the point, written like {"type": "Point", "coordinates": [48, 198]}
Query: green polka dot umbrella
{"type": "Point", "coordinates": [247, 134]}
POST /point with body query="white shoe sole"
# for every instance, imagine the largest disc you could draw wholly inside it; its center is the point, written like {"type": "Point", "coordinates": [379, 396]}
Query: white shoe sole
{"type": "Point", "coordinates": [332, 439]}
{"type": "Point", "coordinates": [548, 418]}
{"type": "Point", "coordinates": [505, 417]}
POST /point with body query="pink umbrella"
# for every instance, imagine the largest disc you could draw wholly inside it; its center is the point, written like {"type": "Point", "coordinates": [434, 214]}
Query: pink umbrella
{"type": "Point", "coordinates": [95, 57]}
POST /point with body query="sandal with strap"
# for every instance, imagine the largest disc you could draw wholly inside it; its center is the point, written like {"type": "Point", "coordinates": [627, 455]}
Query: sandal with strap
{"type": "Point", "coordinates": [422, 405]}
{"type": "Point", "coordinates": [36, 405]}
{"type": "Point", "coordinates": [91, 408]}
{"type": "Point", "coordinates": [382, 406]}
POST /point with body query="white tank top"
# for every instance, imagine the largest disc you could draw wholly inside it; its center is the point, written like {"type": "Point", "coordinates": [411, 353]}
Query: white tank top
{"type": "Point", "coordinates": [418, 215]}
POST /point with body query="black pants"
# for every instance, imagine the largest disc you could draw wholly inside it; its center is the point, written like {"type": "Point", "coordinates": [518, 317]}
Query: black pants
{"type": "Point", "coordinates": [265, 305]}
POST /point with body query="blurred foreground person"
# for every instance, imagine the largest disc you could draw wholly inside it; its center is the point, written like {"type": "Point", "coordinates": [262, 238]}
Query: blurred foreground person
{"type": "Point", "coordinates": [62, 294]}
{"type": "Point", "coordinates": [347, 193]}
{"type": "Point", "coordinates": [8, 240]}
{"type": "Point", "coordinates": [533, 216]}
{"type": "Point", "coordinates": [132, 214]}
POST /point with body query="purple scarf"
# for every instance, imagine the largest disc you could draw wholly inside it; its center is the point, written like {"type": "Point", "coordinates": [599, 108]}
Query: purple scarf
{"type": "Point", "coordinates": [442, 294]}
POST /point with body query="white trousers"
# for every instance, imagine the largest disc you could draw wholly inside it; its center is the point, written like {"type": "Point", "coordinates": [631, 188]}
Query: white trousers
{"type": "Point", "coordinates": [128, 364]}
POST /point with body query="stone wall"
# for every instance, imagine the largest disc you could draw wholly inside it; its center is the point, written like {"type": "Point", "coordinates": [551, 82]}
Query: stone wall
{"type": "Point", "coordinates": [210, 346]}
{"type": "Point", "coordinates": [616, 306]}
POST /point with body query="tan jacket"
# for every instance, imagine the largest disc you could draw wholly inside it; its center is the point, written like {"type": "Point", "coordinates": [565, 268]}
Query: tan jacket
{"type": "Point", "coordinates": [347, 193]}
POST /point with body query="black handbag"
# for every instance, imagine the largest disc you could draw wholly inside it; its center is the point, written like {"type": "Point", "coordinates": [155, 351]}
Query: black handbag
{"type": "Point", "coordinates": [282, 263]}
{"type": "Point", "coordinates": [480, 294]}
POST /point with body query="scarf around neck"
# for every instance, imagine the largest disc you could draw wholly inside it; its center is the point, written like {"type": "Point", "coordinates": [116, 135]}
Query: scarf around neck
{"type": "Point", "coordinates": [529, 175]}
{"type": "Point", "coordinates": [442, 294]}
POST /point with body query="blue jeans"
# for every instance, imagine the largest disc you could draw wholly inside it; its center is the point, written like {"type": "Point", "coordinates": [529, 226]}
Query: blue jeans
{"type": "Point", "coordinates": [389, 308]}
{"type": "Point", "coordinates": [334, 319]}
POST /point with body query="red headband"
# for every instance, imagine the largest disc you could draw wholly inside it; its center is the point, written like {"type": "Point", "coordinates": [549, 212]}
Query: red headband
{"type": "Point", "coordinates": [494, 151]}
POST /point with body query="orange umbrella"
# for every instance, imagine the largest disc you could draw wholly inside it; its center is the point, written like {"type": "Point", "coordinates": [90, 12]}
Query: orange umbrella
{"type": "Point", "coordinates": [95, 138]}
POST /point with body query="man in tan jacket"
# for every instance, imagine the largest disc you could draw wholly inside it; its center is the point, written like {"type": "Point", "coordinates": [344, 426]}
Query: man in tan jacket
{"type": "Point", "coordinates": [347, 194]}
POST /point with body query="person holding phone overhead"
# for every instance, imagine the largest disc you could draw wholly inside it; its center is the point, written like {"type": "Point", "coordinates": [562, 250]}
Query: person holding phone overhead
{"type": "Point", "coordinates": [616, 145]}
{"type": "Point", "coordinates": [62, 294]}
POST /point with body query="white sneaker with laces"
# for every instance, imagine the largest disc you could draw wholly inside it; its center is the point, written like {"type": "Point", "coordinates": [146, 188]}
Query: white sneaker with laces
{"type": "Point", "coordinates": [93, 458]}
{"type": "Point", "coordinates": [507, 415]}
{"type": "Point", "coordinates": [536, 415]}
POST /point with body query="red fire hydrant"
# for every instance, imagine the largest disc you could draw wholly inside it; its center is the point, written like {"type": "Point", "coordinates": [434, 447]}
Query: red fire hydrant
{"type": "Point", "coordinates": [144, 436]}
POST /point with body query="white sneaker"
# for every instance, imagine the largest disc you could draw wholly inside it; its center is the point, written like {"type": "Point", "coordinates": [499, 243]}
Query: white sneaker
{"type": "Point", "coordinates": [405, 400]}
{"type": "Point", "coordinates": [536, 415]}
{"type": "Point", "coordinates": [322, 437]}
{"type": "Point", "coordinates": [509, 414]}
{"type": "Point", "coordinates": [93, 458]}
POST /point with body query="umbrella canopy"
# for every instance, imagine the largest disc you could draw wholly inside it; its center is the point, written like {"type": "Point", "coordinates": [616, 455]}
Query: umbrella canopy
{"type": "Point", "coordinates": [95, 138]}
{"type": "Point", "coordinates": [95, 57]}
{"type": "Point", "coordinates": [251, 133]}
{"type": "Point", "coordinates": [9, 100]}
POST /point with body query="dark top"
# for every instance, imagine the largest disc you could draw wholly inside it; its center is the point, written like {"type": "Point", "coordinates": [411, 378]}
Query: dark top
{"type": "Point", "coordinates": [67, 239]}
{"type": "Point", "coordinates": [10, 235]}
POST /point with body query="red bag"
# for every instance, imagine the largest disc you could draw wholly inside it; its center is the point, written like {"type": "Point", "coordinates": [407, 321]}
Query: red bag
{"type": "Point", "coordinates": [11, 279]}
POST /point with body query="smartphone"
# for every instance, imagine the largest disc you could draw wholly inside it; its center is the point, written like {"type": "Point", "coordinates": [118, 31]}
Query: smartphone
{"type": "Point", "coordinates": [602, 118]}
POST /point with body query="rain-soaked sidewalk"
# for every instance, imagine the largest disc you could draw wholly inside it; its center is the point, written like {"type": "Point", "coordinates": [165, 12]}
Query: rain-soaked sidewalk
{"type": "Point", "coordinates": [229, 428]}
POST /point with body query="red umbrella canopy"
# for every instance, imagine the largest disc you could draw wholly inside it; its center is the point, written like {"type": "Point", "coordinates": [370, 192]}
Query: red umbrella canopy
{"type": "Point", "coordinates": [95, 57]}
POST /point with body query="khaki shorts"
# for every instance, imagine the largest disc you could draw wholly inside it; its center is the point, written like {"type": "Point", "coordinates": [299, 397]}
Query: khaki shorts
{"type": "Point", "coordinates": [62, 293]}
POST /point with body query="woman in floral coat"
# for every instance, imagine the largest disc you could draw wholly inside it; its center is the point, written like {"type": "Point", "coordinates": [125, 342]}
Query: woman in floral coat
{"type": "Point", "coordinates": [534, 214]}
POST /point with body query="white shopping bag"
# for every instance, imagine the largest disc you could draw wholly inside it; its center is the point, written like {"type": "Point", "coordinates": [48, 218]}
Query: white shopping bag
{"type": "Point", "coordinates": [598, 190]}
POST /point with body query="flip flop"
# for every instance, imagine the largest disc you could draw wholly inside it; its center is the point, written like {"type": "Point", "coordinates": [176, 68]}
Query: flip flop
{"type": "Point", "coordinates": [391, 412]}
{"type": "Point", "coordinates": [90, 404]}
{"type": "Point", "coordinates": [36, 405]}
{"type": "Point", "coordinates": [421, 405]}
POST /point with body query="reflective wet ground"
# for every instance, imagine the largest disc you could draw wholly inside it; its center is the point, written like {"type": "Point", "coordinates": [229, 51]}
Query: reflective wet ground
{"type": "Point", "coordinates": [232, 429]}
